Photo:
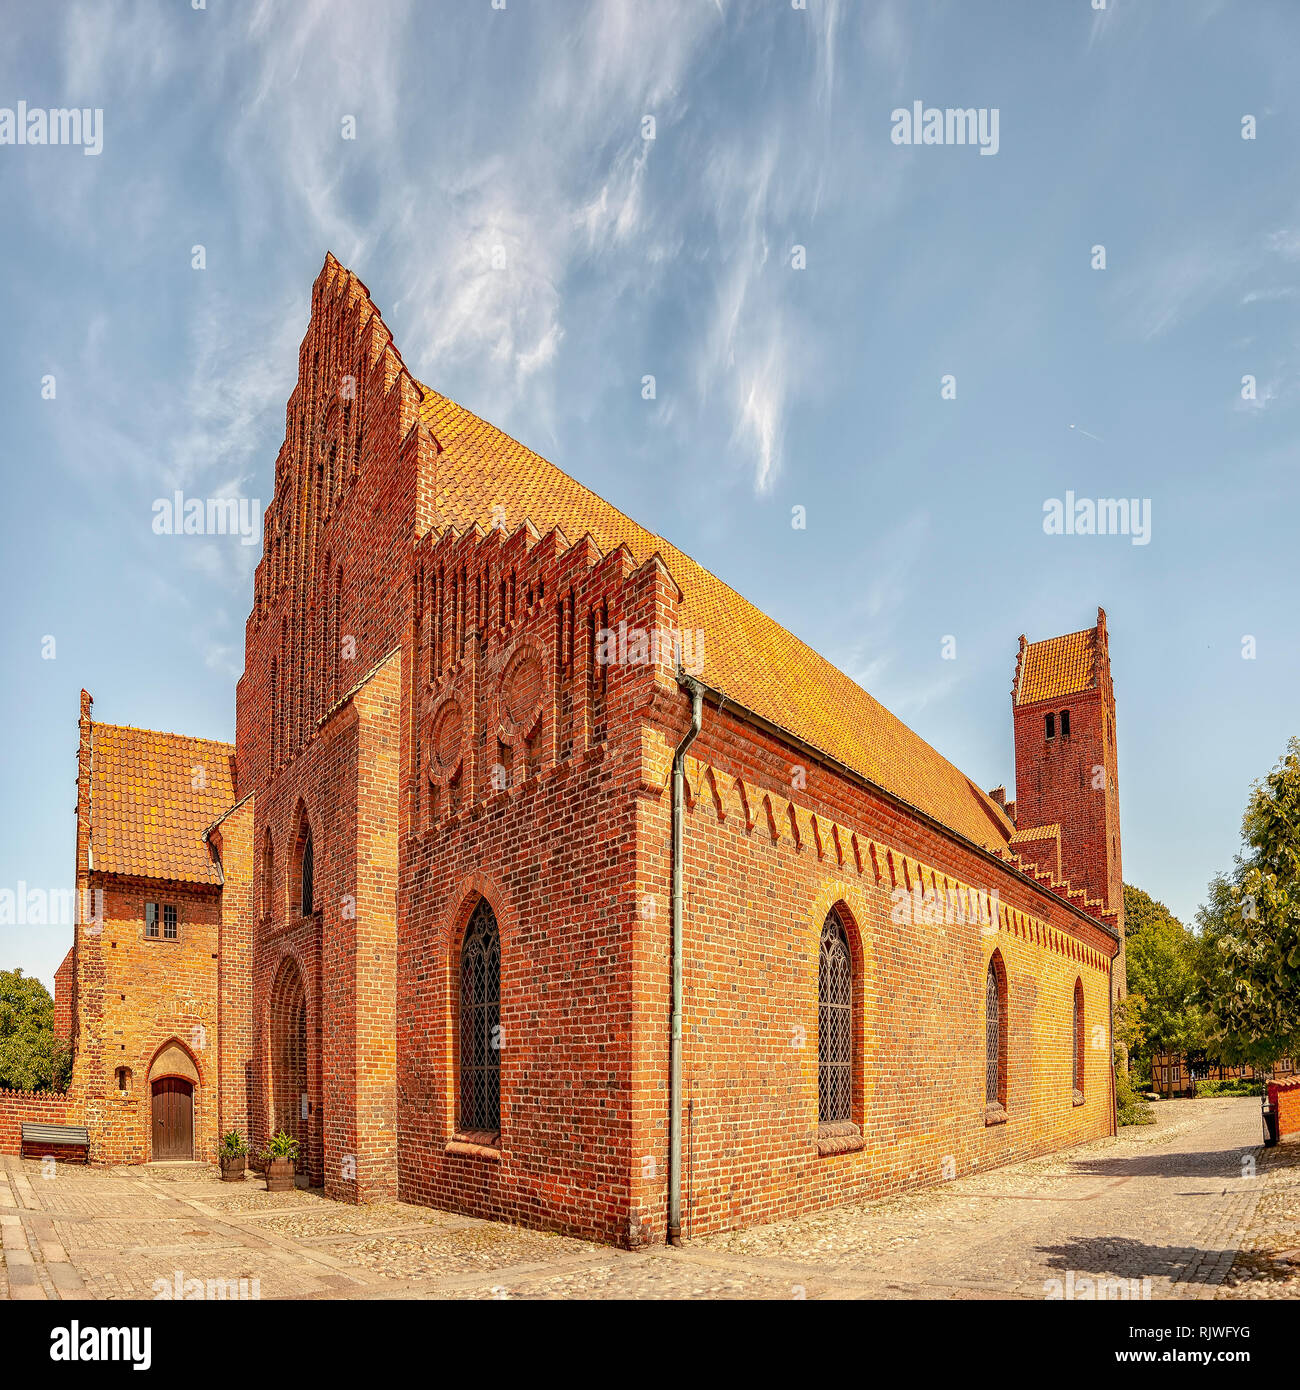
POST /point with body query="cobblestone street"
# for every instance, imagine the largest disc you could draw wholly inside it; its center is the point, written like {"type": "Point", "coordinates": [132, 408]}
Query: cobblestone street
{"type": "Point", "coordinates": [1166, 1202]}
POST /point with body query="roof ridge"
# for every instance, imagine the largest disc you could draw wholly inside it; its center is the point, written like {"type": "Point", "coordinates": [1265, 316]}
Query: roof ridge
{"type": "Point", "coordinates": [461, 434]}
{"type": "Point", "coordinates": [591, 492]}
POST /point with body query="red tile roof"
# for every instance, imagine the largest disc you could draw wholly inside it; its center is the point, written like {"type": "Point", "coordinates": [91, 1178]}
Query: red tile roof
{"type": "Point", "coordinates": [1058, 666]}
{"type": "Point", "coordinates": [747, 655]}
{"type": "Point", "coordinates": [1036, 832]}
{"type": "Point", "coordinates": [152, 795]}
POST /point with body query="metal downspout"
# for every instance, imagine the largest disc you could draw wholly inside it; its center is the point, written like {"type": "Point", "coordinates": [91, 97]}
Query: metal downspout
{"type": "Point", "coordinates": [1114, 1098]}
{"type": "Point", "coordinates": [696, 692]}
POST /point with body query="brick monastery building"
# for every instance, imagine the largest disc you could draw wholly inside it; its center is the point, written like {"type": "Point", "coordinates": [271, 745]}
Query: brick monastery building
{"type": "Point", "coordinates": [421, 914]}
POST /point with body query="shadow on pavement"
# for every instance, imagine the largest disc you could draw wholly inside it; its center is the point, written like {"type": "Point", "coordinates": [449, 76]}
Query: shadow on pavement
{"type": "Point", "coordinates": [1135, 1259]}
{"type": "Point", "coordinates": [1215, 1163]}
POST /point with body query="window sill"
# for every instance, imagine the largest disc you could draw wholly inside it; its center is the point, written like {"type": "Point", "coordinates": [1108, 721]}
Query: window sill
{"type": "Point", "coordinates": [1078, 1097]}
{"type": "Point", "coordinates": [475, 1143]}
{"type": "Point", "coordinates": [839, 1137]}
{"type": "Point", "coordinates": [995, 1115]}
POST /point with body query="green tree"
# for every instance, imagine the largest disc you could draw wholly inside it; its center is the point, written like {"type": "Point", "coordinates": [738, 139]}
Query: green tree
{"type": "Point", "coordinates": [31, 1057]}
{"type": "Point", "coordinates": [1250, 929]}
{"type": "Point", "coordinates": [1141, 910]}
{"type": "Point", "coordinates": [1161, 1013]}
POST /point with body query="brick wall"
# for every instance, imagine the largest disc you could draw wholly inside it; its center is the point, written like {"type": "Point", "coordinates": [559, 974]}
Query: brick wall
{"type": "Point", "coordinates": [344, 786]}
{"type": "Point", "coordinates": [32, 1107]}
{"type": "Point", "coordinates": [65, 983]}
{"type": "Point", "coordinates": [542, 744]}
{"type": "Point", "coordinates": [759, 883]}
{"type": "Point", "coordinates": [233, 841]}
{"type": "Point", "coordinates": [136, 996]}
{"type": "Point", "coordinates": [1284, 1096]}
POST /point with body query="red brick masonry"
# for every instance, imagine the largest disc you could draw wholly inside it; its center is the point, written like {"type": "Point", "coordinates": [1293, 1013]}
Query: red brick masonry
{"type": "Point", "coordinates": [422, 703]}
{"type": "Point", "coordinates": [1284, 1097]}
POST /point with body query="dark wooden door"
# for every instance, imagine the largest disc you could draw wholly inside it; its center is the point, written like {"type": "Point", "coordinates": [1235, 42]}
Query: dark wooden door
{"type": "Point", "coordinates": [173, 1118]}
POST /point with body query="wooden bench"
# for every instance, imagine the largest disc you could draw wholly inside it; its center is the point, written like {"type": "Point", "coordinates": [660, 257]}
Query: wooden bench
{"type": "Point", "coordinates": [71, 1143]}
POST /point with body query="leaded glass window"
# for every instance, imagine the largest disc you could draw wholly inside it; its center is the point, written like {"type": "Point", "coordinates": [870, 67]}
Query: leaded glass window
{"type": "Point", "coordinates": [835, 1025]}
{"type": "Point", "coordinates": [994, 1027]}
{"type": "Point", "coordinates": [480, 1018]}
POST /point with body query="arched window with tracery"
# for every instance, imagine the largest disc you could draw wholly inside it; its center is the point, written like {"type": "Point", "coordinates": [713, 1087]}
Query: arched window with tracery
{"type": "Point", "coordinates": [480, 1019]}
{"type": "Point", "coordinates": [834, 1024]}
{"type": "Point", "coordinates": [995, 1035]}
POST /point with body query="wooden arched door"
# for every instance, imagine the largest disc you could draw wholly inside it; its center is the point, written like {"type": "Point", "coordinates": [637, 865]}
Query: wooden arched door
{"type": "Point", "coordinates": [173, 1118]}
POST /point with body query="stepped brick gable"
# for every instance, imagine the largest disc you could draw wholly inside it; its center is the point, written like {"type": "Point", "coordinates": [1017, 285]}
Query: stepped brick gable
{"type": "Point", "coordinates": [421, 916]}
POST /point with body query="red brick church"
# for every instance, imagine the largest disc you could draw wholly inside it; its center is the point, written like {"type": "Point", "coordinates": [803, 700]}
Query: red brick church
{"type": "Point", "coordinates": [549, 880]}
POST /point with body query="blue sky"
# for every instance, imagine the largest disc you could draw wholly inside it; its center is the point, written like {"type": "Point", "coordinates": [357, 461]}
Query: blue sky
{"type": "Point", "coordinates": [776, 387]}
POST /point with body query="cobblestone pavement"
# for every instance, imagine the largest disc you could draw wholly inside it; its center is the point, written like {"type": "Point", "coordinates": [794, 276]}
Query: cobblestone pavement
{"type": "Point", "coordinates": [1166, 1203]}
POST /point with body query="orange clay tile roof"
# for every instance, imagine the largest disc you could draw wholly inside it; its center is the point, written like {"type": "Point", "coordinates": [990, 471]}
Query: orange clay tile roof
{"type": "Point", "coordinates": [1036, 832]}
{"type": "Point", "coordinates": [748, 656]}
{"type": "Point", "coordinates": [1058, 666]}
{"type": "Point", "coordinates": [147, 816]}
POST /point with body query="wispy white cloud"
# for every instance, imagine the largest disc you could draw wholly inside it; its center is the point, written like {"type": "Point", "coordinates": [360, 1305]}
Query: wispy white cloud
{"type": "Point", "coordinates": [483, 238]}
{"type": "Point", "coordinates": [1171, 286]}
{"type": "Point", "coordinates": [1284, 242]}
{"type": "Point", "coordinates": [1269, 295]}
{"type": "Point", "coordinates": [119, 49]}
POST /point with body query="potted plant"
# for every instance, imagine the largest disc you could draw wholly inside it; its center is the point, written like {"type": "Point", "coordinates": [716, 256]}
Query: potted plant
{"type": "Point", "coordinates": [234, 1157]}
{"type": "Point", "coordinates": [281, 1155]}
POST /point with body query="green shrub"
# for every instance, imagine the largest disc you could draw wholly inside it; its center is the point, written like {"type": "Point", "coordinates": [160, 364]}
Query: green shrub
{"type": "Point", "coordinates": [1130, 1107]}
{"type": "Point", "coordinates": [233, 1144]}
{"type": "Point", "coordinates": [281, 1146]}
{"type": "Point", "coordinates": [1237, 1086]}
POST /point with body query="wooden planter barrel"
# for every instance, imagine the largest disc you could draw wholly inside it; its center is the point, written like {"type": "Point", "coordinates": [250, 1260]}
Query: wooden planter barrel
{"type": "Point", "coordinates": [232, 1167]}
{"type": "Point", "coordinates": [279, 1175]}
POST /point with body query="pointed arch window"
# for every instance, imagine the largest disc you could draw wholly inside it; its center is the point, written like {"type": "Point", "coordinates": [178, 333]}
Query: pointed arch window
{"type": "Point", "coordinates": [834, 1025]}
{"type": "Point", "coordinates": [307, 874]}
{"type": "Point", "coordinates": [1078, 1037]}
{"type": "Point", "coordinates": [268, 878]}
{"type": "Point", "coordinates": [480, 1019]}
{"type": "Point", "coordinates": [995, 1040]}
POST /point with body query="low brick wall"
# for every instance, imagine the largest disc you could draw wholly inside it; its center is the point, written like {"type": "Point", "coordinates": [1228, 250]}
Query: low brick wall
{"type": "Point", "coordinates": [1284, 1097]}
{"type": "Point", "coordinates": [34, 1107]}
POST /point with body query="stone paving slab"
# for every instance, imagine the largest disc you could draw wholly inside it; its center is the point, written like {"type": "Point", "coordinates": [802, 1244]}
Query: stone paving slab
{"type": "Point", "coordinates": [1172, 1207]}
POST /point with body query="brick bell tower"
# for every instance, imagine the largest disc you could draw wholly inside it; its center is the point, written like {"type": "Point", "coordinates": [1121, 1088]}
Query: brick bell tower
{"type": "Point", "coordinates": [1067, 771]}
